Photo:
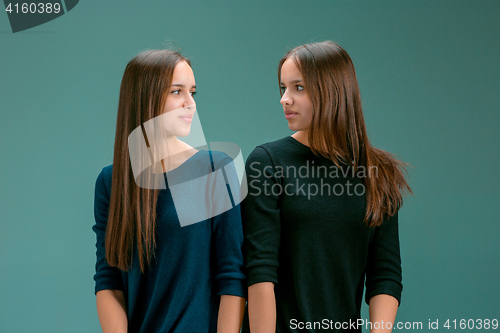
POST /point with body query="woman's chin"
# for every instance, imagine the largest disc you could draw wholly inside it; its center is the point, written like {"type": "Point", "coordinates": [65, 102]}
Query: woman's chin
{"type": "Point", "coordinates": [295, 128]}
{"type": "Point", "coordinates": [184, 133]}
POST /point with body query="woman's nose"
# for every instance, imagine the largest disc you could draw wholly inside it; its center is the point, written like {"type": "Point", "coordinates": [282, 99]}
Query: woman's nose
{"type": "Point", "coordinates": [285, 100]}
{"type": "Point", "coordinates": [189, 101]}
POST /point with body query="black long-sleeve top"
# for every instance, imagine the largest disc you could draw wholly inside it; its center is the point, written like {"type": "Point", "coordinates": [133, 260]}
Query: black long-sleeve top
{"type": "Point", "coordinates": [304, 231]}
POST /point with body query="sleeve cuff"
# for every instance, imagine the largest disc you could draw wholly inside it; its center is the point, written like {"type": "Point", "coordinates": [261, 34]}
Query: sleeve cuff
{"type": "Point", "coordinates": [391, 288]}
{"type": "Point", "coordinates": [234, 287]}
{"type": "Point", "coordinates": [108, 283]}
{"type": "Point", "coordinates": [262, 274]}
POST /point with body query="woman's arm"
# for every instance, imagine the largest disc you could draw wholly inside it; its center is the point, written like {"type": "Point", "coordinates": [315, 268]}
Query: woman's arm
{"type": "Point", "coordinates": [230, 314]}
{"type": "Point", "coordinates": [382, 310]}
{"type": "Point", "coordinates": [227, 233]}
{"type": "Point", "coordinates": [112, 311]}
{"type": "Point", "coordinates": [110, 298]}
{"type": "Point", "coordinates": [383, 269]}
{"type": "Point", "coordinates": [383, 277]}
{"type": "Point", "coordinates": [262, 308]}
{"type": "Point", "coordinates": [262, 230]}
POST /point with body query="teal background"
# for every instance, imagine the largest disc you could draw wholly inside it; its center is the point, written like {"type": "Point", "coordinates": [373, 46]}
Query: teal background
{"type": "Point", "coordinates": [429, 77]}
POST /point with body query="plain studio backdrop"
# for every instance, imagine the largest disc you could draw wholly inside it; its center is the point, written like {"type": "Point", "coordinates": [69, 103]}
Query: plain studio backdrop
{"type": "Point", "coordinates": [429, 78]}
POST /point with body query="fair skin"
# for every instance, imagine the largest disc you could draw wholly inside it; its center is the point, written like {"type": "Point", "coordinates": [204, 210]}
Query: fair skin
{"type": "Point", "coordinates": [295, 101]}
{"type": "Point", "coordinates": [176, 120]}
{"type": "Point", "coordinates": [262, 307]}
{"type": "Point", "coordinates": [261, 297]}
{"type": "Point", "coordinates": [112, 311]}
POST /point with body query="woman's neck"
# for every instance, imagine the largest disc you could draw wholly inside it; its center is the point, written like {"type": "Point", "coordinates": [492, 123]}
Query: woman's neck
{"type": "Point", "coordinates": [302, 137]}
{"type": "Point", "coordinates": [171, 153]}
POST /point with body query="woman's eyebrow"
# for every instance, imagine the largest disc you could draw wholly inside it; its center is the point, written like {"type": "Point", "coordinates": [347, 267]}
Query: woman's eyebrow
{"type": "Point", "coordinates": [292, 82]}
{"type": "Point", "coordinates": [182, 86]}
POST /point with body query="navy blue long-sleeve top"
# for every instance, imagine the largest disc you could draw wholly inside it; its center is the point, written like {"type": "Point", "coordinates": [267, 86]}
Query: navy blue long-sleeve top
{"type": "Point", "coordinates": [193, 265]}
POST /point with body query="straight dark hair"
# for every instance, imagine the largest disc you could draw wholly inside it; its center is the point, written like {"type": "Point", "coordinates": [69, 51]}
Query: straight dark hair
{"type": "Point", "coordinates": [132, 209]}
{"type": "Point", "coordinates": [337, 129]}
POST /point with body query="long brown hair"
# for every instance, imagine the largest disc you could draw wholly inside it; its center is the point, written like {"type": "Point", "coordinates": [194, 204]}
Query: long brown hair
{"type": "Point", "coordinates": [337, 129]}
{"type": "Point", "coordinates": [132, 210]}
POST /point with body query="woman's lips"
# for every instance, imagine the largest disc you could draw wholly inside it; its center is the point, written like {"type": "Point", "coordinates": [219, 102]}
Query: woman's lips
{"type": "Point", "coordinates": [188, 119]}
{"type": "Point", "coordinates": [290, 114]}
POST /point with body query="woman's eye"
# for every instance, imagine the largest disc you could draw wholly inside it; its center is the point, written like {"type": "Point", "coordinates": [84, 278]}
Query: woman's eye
{"type": "Point", "coordinates": [282, 89]}
{"type": "Point", "coordinates": [300, 88]}
{"type": "Point", "coordinates": [177, 92]}
{"type": "Point", "coordinates": [193, 93]}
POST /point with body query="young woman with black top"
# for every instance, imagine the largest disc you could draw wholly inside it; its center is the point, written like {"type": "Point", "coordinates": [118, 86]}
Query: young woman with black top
{"type": "Point", "coordinates": [321, 216]}
{"type": "Point", "coordinates": [153, 273]}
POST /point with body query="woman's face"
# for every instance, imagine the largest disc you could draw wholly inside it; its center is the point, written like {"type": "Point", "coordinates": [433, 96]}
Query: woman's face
{"type": "Point", "coordinates": [179, 105]}
{"type": "Point", "coordinates": [296, 104]}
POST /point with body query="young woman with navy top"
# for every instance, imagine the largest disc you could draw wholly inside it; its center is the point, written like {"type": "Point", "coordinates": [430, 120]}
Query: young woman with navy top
{"type": "Point", "coordinates": [321, 216]}
{"type": "Point", "coordinates": [154, 274]}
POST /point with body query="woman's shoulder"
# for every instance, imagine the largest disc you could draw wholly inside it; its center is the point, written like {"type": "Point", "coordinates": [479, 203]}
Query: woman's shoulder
{"type": "Point", "coordinates": [220, 158]}
{"type": "Point", "coordinates": [279, 144]}
{"type": "Point", "coordinates": [107, 172]}
{"type": "Point", "coordinates": [276, 150]}
{"type": "Point", "coordinates": [103, 181]}
{"type": "Point", "coordinates": [200, 164]}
